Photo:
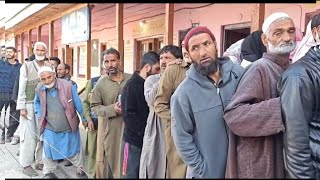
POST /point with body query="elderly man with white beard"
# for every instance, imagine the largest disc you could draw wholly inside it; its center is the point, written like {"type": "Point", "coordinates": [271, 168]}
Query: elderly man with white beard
{"type": "Point", "coordinates": [254, 112]}
{"type": "Point", "coordinates": [30, 144]}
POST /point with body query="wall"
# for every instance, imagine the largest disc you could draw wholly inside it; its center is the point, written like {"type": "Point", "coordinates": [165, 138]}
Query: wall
{"type": "Point", "coordinates": [213, 16]}
{"type": "Point", "coordinates": [295, 11]}
{"type": "Point", "coordinates": [2, 39]}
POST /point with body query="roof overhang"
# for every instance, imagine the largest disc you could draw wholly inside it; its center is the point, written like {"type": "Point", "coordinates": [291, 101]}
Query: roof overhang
{"type": "Point", "coordinates": [35, 14]}
{"type": "Point", "coordinates": [24, 14]}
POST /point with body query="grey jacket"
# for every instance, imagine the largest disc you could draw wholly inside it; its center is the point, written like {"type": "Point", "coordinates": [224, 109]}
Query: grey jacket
{"type": "Point", "coordinates": [198, 128]}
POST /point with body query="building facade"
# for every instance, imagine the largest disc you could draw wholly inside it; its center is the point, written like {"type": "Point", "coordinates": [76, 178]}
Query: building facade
{"type": "Point", "coordinates": [78, 33]}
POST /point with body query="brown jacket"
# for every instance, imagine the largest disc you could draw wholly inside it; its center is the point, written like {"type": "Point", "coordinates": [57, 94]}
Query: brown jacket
{"type": "Point", "coordinates": [110, 125]}
{"type": "Point", "coordinates": [254, 118]}
{"type": "Point", "coordinates": [169, 81]}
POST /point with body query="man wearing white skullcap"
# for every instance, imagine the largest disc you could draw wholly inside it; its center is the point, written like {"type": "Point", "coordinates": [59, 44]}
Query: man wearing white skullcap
{"type": "Point", "coordinates": [272, 18]}
{"type": "Point", "coordinates": [30, 142]}
{"type": "Point", "coordinates": [254, 112]}
{"type": "Point", "coordinates": [56, 102]}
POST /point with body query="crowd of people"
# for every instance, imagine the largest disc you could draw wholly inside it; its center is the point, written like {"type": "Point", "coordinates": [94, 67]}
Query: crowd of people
{"type": "Point", "coordinates": [187, 113]}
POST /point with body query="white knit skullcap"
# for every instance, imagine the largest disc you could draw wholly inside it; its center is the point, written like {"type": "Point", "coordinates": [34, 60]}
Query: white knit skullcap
{"type": "Point", "coordinates": [40, 43]}
{"type": "Point", "coordinates": [45, 69]}
{"type": "Point", "coordinates": [270, 19]}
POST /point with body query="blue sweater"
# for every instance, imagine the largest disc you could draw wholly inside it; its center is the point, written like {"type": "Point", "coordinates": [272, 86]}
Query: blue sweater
{"type": "Point", "coordinates": [8, 74]}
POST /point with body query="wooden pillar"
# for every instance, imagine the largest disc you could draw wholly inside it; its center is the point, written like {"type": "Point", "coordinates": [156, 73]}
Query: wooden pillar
{"type": "Point", "coordinates": [257, 16]}
{"type": "Point", "coordinates": [21, 48]}
{"type": "Point", "coordinates": [51, 38]}
{"type": "Point", "coordinates": [68, 55]}
{"type": "Point", "coordinates": [29, 42]}
{"type": "Point", "coordinates": [119, 26]}
{"type": "Point", "coordinates": [169, 23]}
{"type": "Point", "coordinates": [88, 45]}
{"type": "Point", "coordinates": [39, 33]}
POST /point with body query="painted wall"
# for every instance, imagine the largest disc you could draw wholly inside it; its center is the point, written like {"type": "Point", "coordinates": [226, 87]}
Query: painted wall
{"type": "Point", "coordinates": [295, 11]}
{"type": "Point", "coordinates": [213, 16]}
{"type": "Point", "coordinates": [2, 39]}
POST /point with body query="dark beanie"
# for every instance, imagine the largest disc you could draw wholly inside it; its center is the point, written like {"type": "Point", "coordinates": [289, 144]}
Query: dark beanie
{"type": "Point", "coordinates": [194, 31]}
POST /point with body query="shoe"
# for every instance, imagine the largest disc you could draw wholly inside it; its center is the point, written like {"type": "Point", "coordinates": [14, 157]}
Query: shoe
{"type": "Point", "coordinates": [15, 140]}
{"type": "Point", "coordinates": [82, 175]}
{"type": "Point", "coordinates": [68, 163]}
{"type": "Point", "coordinates": [29, 171]}
{"type": "Point", "coordinates": [18, 152]}
{"type": "Point", "coordinates": [2, 141]}
{"type": "Point", "coordinates": [38, 166]}
{"type": "Point", "coordinates": [8, 139]}
{"type": "Point", "coordinates": [50, 176]}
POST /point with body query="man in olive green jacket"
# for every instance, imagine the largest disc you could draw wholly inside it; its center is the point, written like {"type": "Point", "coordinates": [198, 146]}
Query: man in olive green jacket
{"type": "Point", "coordinates": [169, 81]}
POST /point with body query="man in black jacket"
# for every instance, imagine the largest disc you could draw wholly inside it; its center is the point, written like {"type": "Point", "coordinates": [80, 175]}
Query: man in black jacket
{"type": "Point", "coordinates": [299, 89]}
{"type": "Point", "coordinates": [135, 113]}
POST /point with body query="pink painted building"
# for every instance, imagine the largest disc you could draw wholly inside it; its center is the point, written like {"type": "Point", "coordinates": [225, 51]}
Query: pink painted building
{"type": "Point", "coordinates": [145, 27]}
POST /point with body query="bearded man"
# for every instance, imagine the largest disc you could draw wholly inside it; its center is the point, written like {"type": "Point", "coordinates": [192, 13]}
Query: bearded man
{"type": "Point", "coordinates": [56, 105]}
{"type": "Point", "coordinates": [254, 112]}
{"type": "Point", "coordinates": [30, 144]}
{"type": "Point", "coordinates": [198, 129]}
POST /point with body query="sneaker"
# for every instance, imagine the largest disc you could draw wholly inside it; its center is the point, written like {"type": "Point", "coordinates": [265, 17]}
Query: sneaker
{"type": "Point", "coordinates": [8, 139]}
{"type": "Point", "coordinates": [38, 166]}
{"type": "Point", "coordinates": [29, 171]}
{"type": "Point", "coordinates": [2, 141]}
{"type": "Point", "coordinates": [15, 140]}
{"type": "Point", "coordinates": [50, 176]}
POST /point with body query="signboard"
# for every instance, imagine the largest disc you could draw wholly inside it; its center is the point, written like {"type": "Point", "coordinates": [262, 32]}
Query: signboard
{"type": "Point", "coordinates": [150, 28]}
{"type": "Point", "coordinates": [82, 61]}
{"type": "Point", "coordinates": [75, 26]}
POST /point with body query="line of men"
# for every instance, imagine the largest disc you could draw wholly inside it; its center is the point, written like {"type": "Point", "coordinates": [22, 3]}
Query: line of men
{"type": "Point", "coordinates": [48, 128]}
{"type": "Point", "coordinates": [209, 117]}
{"type": "Point", "coordinates": [187, 113]}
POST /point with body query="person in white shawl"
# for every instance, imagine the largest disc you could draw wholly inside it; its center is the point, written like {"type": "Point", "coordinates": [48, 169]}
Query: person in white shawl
{"type": "Point", "coordinates": [306, 43]}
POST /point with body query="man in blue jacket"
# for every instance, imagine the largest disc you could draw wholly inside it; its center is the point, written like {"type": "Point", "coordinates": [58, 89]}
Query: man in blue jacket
{"type": "Point", "coordinates": [8, 74]}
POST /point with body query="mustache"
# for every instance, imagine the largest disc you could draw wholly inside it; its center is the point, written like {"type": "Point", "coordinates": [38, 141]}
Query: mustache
{"type": "Point", "coordinates": [291, 43]}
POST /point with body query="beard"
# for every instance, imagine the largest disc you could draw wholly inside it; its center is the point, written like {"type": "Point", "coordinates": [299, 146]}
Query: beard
{"type": "Point", "coordinates": [9, 57]}
{"type": "Point", "coordinates": [112, 70]}
{"type": "Point", "coordinates": [39, 58]}
{"type": "Point", "coordinates": [284, 48]}
{"type": "Point", "coordinates": [209, 69]}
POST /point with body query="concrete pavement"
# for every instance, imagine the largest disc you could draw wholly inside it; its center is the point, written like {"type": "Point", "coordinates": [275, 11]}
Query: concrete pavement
{"type": "Point", "coordinates": [11, 168]}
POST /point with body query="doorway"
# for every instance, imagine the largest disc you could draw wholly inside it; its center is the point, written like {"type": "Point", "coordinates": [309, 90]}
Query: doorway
{"type": "Point", "coordinates": [143, 46]}
{"type": "Point", "coordinates": [233, 33]}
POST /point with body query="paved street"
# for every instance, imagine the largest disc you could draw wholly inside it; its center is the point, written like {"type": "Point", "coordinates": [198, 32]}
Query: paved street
{"type": "Point", "coordinates": [10, 167]}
